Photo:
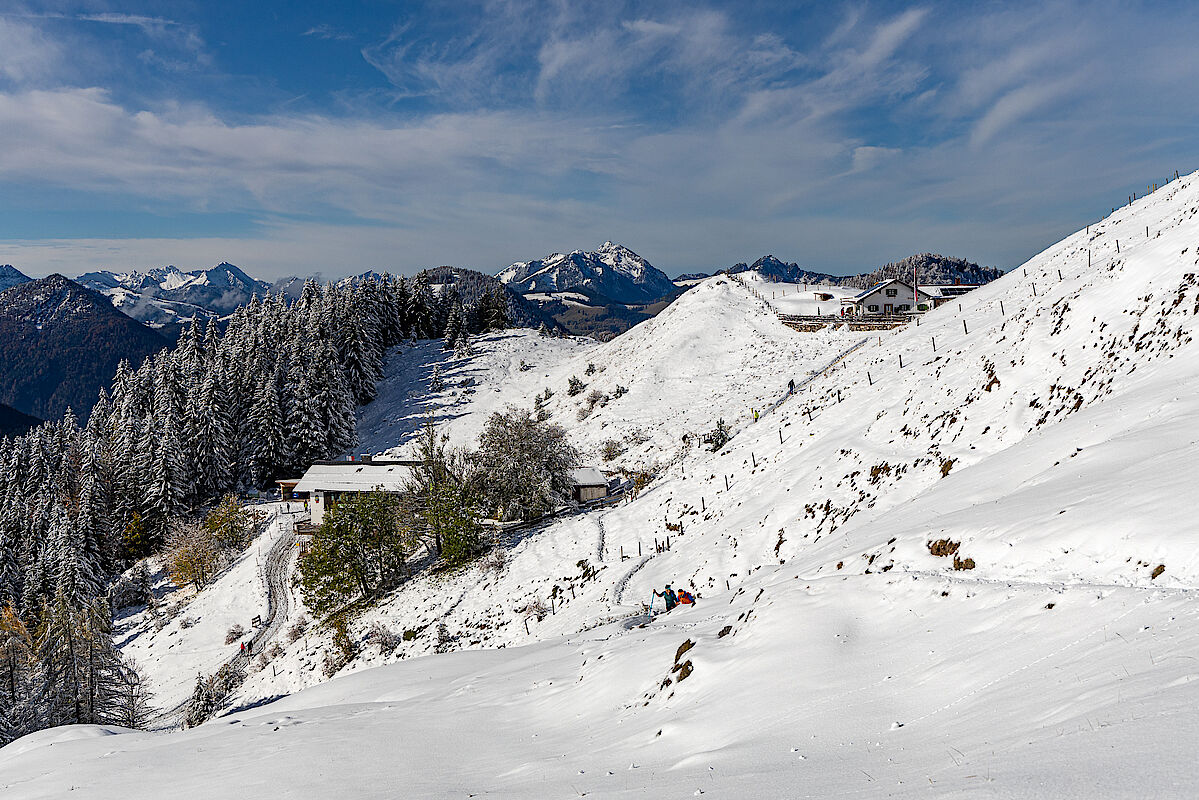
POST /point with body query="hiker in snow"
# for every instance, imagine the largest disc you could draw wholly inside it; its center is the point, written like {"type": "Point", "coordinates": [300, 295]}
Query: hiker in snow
{"type": "Point", "coordinates": [686, 598]}
{"type": "Point", "coordinates": [669, 596]}
{"type": "Point", "coordinates": [755, 414]}
{"type": "Point", "coordinates": [791, 386]}
{"type": "Point", "coordinates": [243, 648]}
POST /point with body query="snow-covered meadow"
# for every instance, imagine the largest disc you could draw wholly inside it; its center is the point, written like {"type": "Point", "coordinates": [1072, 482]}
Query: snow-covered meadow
{"type": "Point", "coordinates": [974, 574]}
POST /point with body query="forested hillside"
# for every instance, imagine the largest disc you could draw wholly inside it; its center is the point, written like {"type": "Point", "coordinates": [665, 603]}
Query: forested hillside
{"type": "Point", "coordinates": [60, 343]}
{"type": "Point", "coordinates": [220, 412]}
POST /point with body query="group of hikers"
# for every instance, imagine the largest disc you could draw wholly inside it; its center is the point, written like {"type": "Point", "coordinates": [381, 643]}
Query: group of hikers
{"type": "Point", "coordinates": [680, 598]}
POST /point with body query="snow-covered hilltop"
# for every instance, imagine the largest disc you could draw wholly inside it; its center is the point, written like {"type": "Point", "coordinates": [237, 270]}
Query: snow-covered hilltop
{"type": "Point", "coordinates": [613, 271]}
{"type": "Point", "coordinates": [954, 562]}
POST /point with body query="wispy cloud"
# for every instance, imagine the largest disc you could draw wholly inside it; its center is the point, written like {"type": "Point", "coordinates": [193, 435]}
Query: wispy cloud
{"type": "Point", "coordinates": [328, 32]}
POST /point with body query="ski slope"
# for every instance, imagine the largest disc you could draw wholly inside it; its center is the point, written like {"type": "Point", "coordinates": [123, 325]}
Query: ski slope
{"type": "Point", "coordinates": [1045, 431]}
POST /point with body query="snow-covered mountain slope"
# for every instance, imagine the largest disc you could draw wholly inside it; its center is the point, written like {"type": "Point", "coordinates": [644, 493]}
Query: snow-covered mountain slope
{"type": "Point", "coordinates": [716, 352]}
{"type": "Point", "coordinates": [10, 276]}
{"type": "Point", "coordinates": [1047, 437]}
{"type": "Point", "coordinates": [613, 271]}
{"type": "Point", "coordinates": [185, 636]}
{"type": "Point", "coordinates": [167, 295]}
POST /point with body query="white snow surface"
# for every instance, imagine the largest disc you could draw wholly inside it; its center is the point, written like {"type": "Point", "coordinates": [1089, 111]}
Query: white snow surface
{"type": "Point", "coordinates": [1050, 435]}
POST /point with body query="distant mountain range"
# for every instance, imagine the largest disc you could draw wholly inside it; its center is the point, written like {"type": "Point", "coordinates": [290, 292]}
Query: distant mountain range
{"type": "Point", "coordinates": [930, 268]}
{"type": "Point", "coordinates": [167, 295]}
{"type": "Point", "coordinates": [60, 342]}
{"type": "Point", "coordinates": [611, 271]}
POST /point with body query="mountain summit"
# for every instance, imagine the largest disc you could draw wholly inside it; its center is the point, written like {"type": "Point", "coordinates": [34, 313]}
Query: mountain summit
{"type": "Point", "coordinates": [612, 270]}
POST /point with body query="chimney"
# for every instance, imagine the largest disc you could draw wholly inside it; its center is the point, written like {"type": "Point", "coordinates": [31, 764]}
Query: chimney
{"type": "Point", "coordinates": [365, 458]}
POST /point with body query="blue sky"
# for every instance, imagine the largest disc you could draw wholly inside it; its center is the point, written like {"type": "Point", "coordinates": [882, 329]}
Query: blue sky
{"type": "Point", "coordinates": [293, 138]}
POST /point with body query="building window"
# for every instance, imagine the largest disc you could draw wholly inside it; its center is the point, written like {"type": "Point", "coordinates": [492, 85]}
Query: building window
{"type": "Point", "coordinates": [922, 307]}
{"type": "Point", "coordinates": [872, 308]}
{"type": "Point", "coordinates": [905, 307]}
{"type": "Point", "coordinates": [892, 292]}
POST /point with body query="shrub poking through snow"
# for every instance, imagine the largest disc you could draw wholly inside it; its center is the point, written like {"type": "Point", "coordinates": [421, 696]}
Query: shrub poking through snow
{"type": "Point", "coordinates": [963, 563]}
{"type": "Point", "coordinates": [1158, 570]}
{"type": "Point", "coordinates": [495, 560]}
{"type": "Point", "coordinates": [445, 641]}
{"type": "Point", "coordinates": [611, 450]}
{"type": "Point", "coordinates": [297, 628]}
{"type": "Point", "coordinates": [234, 633]}
{"type": "Point", "coordinates": [943, 547]}
{"type": "Point", "coordinates": [575, 385]}
{"type": "Point", "coordinates": [383, 637]}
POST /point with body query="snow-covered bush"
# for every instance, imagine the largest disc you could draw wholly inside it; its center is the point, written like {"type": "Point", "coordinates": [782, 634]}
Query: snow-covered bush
{"type": "Point", "coordinates": [383, 637]}
{"type": "Point", "coordinates": [590, 370]}
{"type": "Point", "coordinates": [445, 642]}
{"type": "Point", "coordinates": [131, 589]}
{"type": "Point", "coordinates": [234, 633]}
{"type": "Point", "coordinates": [575, 385]}
{"type": "Point", "coordinates": [495, 560]}
{"type": "Point", "coordinates": [297, 628]}
{"type": "Point", "coordinates": [611, 450]}
{"type": "Point", "coordinates": [523, 465]}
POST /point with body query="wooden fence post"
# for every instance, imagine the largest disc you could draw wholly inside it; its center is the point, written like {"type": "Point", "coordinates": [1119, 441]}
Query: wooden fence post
{"type": "Point", "coordinates": [1002, 313]}
{"type": "Point", "coordinates": [901, 360]}
{"type": "Point", "coordinates": [869, 380]}
{"type": "Point", "coordinates": [964, 328]}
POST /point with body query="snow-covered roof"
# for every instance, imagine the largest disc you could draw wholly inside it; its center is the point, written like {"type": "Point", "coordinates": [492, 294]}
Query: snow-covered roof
{"type": "Point", "coordinates": [877, 286]}
{"type": "Point", "coordinates": [353, 476]}
{"type": "Point", "coordinates": [588, 476]}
